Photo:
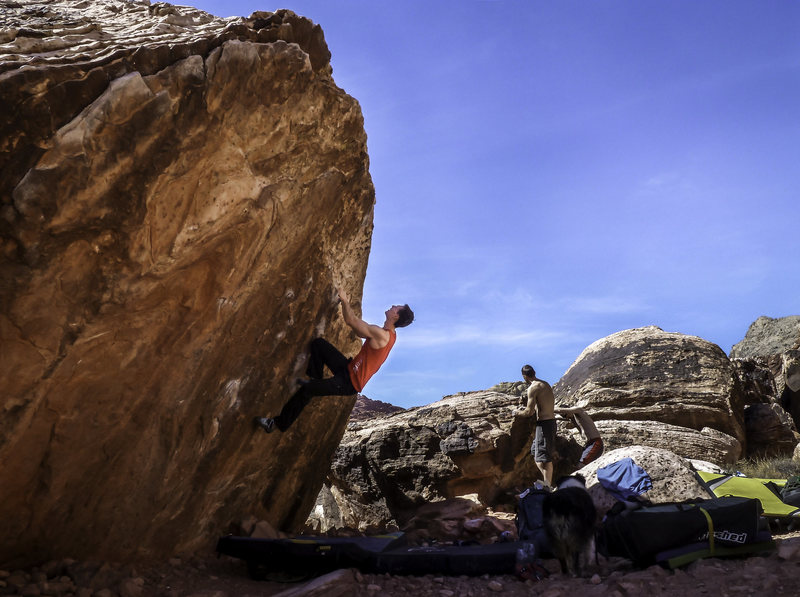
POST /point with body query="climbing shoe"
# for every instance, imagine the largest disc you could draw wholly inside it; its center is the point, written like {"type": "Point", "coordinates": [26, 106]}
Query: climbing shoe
{"type": "Point", "coordinates": [266, 423]}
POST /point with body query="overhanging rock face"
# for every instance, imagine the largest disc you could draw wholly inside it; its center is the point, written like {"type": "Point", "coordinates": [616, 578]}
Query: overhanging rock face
{"type": "Point", "coordinates": [180, 194]}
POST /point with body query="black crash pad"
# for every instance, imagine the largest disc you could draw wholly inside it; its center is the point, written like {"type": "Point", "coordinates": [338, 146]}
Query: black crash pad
{"type": "Point", "coordinates": [304, 557]}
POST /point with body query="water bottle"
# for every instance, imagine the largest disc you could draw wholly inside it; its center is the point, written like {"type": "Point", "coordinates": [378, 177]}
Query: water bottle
{"type": "Point", "coordinates": [525, 567]}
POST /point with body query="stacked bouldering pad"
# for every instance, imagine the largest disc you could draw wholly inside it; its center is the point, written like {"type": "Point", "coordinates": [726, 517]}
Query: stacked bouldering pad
{"type": "Point", "coordinates": [674, 535]}
{"type": "Point", "coordinates": [305, 557]}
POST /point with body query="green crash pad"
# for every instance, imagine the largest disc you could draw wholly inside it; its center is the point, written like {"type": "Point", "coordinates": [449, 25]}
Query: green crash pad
{"type": "Point", "coordinates": [722, 485]}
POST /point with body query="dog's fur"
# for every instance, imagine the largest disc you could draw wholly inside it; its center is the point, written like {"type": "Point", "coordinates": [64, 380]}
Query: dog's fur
{"type": "Point", "coordinates": [570, 521]}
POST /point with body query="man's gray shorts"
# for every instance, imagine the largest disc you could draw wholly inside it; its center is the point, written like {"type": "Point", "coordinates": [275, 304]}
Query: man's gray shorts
{"type": "Point", "coordinates": [544, 441]}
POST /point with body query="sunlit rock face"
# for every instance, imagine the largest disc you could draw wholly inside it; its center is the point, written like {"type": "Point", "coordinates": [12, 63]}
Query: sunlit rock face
{"type": "Point", "coordinates": [703, 444]}
{"type": "Point", "coordinates": [180, 193]}
{"type": "Point", "coordinates": [647, 374]}
{"type": "Point", "coordinates": [673, 477]}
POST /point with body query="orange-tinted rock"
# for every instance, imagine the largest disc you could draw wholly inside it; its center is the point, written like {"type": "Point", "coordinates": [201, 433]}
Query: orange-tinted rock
{"type": "Point", "coordinates": [180, 194]}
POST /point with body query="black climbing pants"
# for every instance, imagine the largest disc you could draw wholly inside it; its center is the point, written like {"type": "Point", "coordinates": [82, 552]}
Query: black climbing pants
{"type": "Point", "coordinates": [322, 353]}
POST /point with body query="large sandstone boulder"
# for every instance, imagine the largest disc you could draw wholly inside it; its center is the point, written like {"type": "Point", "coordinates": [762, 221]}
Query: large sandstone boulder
{"type": "Point", "coordinates": [179, 195]}
{"type": "Point", "coordinates": [708, 443]}
{"type": "Point", "coordinates": [673, 477]}
{"type": "Point", "coordinates": [647, 374]}
{"type": "Point", "coordinates": [389, 466]}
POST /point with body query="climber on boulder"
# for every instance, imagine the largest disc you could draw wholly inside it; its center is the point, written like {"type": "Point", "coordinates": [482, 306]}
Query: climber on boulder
{"type": "Point", "coordinates": [349, 375]}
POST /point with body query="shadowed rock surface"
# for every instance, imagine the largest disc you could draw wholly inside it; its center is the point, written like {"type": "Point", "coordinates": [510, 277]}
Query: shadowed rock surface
{"type": "Point", "coordinates": [180, 193]}
{"type": "Point", "coordinates": [388, 467]}
{"type": "Point", "coordinates": [770, 431]}
{"type": "Point", "coordinates": [770, 351]}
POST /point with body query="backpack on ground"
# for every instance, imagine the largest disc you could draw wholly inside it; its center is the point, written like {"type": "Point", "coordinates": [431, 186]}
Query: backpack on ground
{"type": "Point", "coordinates": [790, 494]}
{"type": "Point", "coordinates": [530, 519]}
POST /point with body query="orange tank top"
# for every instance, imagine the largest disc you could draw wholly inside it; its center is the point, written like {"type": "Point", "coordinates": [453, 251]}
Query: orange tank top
{"type": "Point", "coordinates": [368, 361]}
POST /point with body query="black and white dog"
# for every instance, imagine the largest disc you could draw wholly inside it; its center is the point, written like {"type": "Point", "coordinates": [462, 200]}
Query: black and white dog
{"type": "Point", "coordinates": [569, 521]}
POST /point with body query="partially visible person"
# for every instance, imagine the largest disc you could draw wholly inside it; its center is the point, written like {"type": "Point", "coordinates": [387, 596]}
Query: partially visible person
{"type": "Point", "coordinates": [349, 375]}
{"type": "Point", "coordinates": [593, 448]}
{"type": "Point", "coordinates": [541, 403]}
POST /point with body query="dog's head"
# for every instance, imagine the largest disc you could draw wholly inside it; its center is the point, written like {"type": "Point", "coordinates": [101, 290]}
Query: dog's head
{"type": "Point", "coordinates": [575, 480]}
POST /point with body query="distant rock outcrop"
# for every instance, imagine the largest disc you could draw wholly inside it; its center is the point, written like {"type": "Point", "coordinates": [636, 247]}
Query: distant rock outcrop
{"type": "Point", "coordinates": [769, 360]}
{"type": "Point", "coordinates": [365, 409]}
{"type": "Point", "coordinates": [769, 336]}
{"type": "Point", "coordinates": [179, 195]}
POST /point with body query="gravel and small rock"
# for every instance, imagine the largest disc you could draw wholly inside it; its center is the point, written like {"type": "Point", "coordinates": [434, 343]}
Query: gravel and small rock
{"type": "Point", "coordinates": [775, 573]}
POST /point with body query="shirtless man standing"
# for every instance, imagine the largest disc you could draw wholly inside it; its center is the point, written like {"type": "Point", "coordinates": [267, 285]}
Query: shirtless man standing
{"type": "Point", "coordinates": [542, 403]}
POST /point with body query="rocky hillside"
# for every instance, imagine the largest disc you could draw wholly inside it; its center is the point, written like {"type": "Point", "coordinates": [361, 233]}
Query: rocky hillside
{"type": "Point", "coordinates": [180, 193]}
{"type": "Point", "coordinates": [366, 408]}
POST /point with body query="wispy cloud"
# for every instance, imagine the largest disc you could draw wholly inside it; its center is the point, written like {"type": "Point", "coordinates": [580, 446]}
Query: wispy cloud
{"type": "Point", "coordinates": [480, 336]}
{"type": "Point", "coordinates": [661, 180]}
{"type": "Point", "coordinates": [612, 304]}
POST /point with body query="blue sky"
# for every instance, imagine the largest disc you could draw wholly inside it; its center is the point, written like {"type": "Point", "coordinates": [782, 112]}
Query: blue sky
{"type": "Point", "coordinates": [548, 173]}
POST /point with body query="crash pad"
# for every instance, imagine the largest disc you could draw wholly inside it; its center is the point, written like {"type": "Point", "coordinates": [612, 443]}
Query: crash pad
{"type": "Point", "coordinates": [303, 557]}
{"type": "Point", "coordinates": [675, 534]}
{"type": "Point", "coordinates": [722, 485]}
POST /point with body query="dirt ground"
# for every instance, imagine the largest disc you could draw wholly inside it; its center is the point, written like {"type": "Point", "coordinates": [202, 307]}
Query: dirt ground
{"type": "Point", "coordinates": [775, 574]}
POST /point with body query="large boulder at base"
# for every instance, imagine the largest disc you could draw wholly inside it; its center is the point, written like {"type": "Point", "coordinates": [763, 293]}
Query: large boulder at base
{"type": "Point", "coordinates": [770, 350]}
{"type": "Point", "coordinates": [180, 193]}
{"type": "Point", "coordinates": [673, 477]}
{"type": "Point", "coordinates": [386, 468]}
{"type": "Point", "coordinates": [708, 443]}
{"type": "Point", "coordinates": [647, 374]}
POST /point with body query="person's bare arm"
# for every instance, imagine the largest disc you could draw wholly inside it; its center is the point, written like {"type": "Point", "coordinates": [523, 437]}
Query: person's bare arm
{"type": "Point", "coordinates": [376, 335]}
{"type": "Point", "coordinates": [582, 420]}
{"type": "Point", "coordinates": [530, 408]}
